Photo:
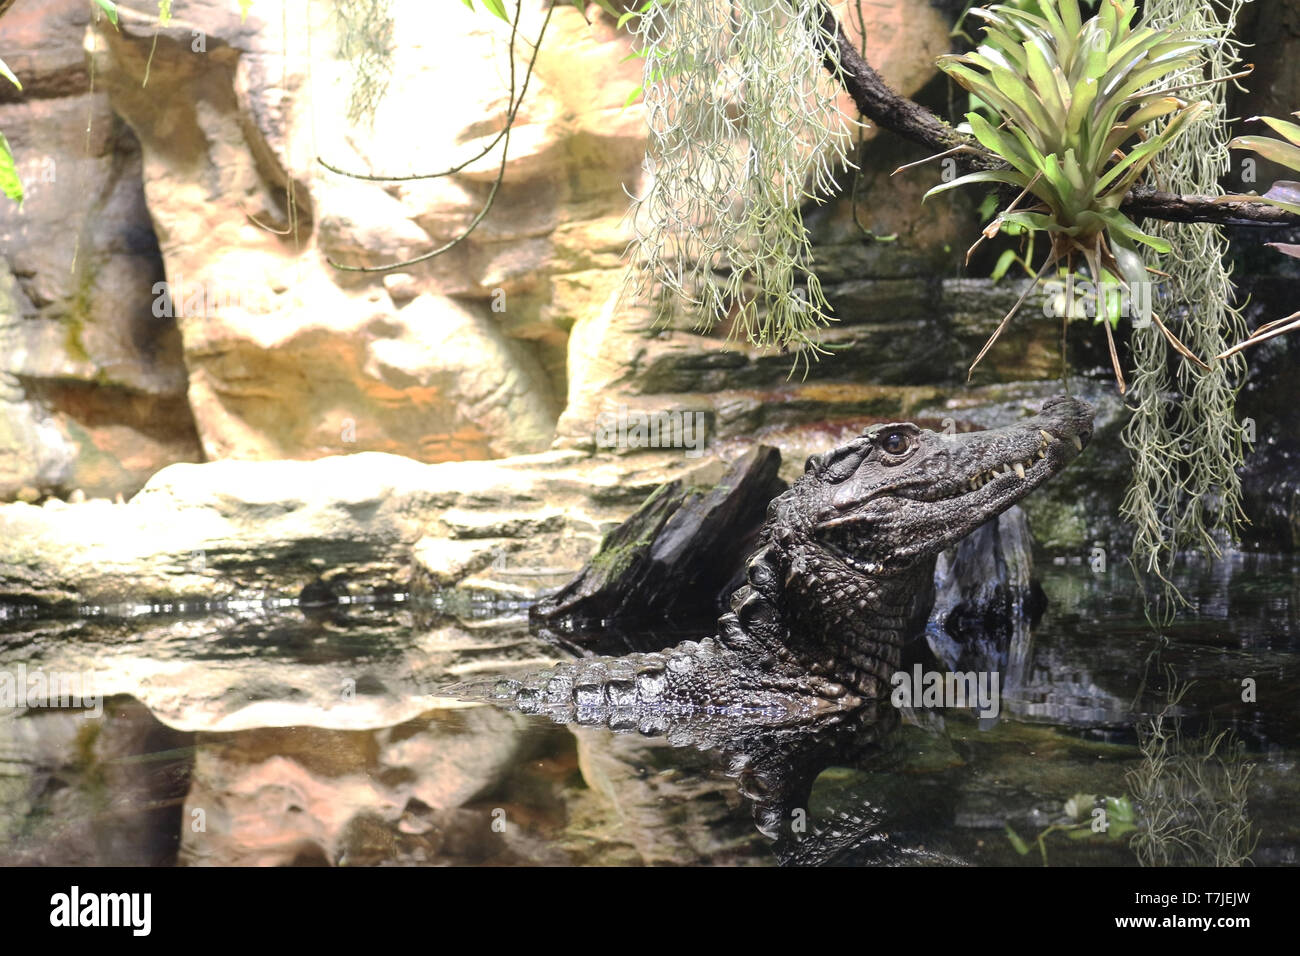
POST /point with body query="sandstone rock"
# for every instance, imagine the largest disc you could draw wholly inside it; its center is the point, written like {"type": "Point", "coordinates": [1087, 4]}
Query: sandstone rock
{"type": "Point", "coordinates": [230, 131]}
{"type": "Point", "coordinates": [255, 530]}
{"type": "Point", "coordinates": [93, 381]}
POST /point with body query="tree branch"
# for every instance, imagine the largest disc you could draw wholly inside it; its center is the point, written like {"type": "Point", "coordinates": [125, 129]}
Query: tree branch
{"type": "Point", "coordinates": [891, 111]}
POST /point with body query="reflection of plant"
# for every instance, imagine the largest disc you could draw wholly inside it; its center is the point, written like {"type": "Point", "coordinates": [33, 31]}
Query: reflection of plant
{"type": "Point", "coordinates": [1191, 793]}
{"type": "Point", "coordinates": [1071, 95]}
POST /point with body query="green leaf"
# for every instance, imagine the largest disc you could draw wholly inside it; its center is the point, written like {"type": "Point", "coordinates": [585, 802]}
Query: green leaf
{"type": "Point", "coordinates": [1003, 264]}
{"type": "Point", "coordinates": [10, 183]}
{"type": "Point", "coordinates": [1125, 227]}
{"type": "Point", "coordinates": [164, 12]}
{"type": "Point", "coordinates": [9, 74]}
{"type": "Point", "coordinates": [1124, 173]}
{"type": "Point", "coordinates": [1274, 149]}
{"type": "Point", "coordinates": [1279, 203]}
{"type": "Point", "coordinates": [497, 8]}
{"type": "Point", "coordinates": [980, 176]}
{"type": "Point", "coordinates": [604, 5]}
{"type": "Point", "coordinates": [1019, 845]}
{"type": "Point", "coordinates": [247, 5]}
{"type": "Point", "coordinates": [1290, 130]}
{"type": "Point", "coordinates": [1035, 220]}
{"type": "Point", "coordinates": [631, 97]}
{"type": "Point", "coordinates": [997, 141]}
{"type": "Point", "coordinates": [110, 8]}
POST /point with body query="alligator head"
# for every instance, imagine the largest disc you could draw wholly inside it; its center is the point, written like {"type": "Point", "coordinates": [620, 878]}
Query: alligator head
{"type": "Point", "coordinates": [900, 494]}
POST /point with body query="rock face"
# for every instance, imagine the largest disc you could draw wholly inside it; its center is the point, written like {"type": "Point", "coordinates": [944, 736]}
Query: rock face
{"type": "Point", "coordinates": [456, 358]}
{"type": "Point", "coordinates": [256, 347]}
{"type": "Point", "coordinates": [351, 524]}
{"type": "Point", "coordinates": [92, 382]}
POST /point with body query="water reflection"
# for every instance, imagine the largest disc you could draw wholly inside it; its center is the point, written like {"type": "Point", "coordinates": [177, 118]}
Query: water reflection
{"type": "Point", "coordinates": [260, 735]}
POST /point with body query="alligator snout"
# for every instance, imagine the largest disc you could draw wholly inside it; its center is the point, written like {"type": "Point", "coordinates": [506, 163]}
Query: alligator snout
{"type": "Point", "coordinates": [1074, 414]}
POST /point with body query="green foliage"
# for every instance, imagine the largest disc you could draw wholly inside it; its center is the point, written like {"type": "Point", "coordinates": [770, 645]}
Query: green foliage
{"type": "Point", "coordinates": [8, 74]}
{"type": "Point", "coordinates": [110, 8]}
{"type": "Point", "coordinates": [1284, 195]}
{"type": "Point", "coordinates": [244, 7]}
{"type": "Point", "coordinates": [10, 184]}
{"type": "Point", "coordinates": [164, 12]}
{"type": "Point", "coordinates": [1071, 95]}
{"type": "Point", "coordinates": [1116, 820]}
{"type": "Point", "coordinates": [1186, 445]}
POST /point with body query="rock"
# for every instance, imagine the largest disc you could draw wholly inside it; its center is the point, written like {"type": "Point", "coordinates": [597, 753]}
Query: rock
{"type": "Point", "coordinates": [92, 381]}
{"type": "Point", "coordinates": [256, 530]}
{"type": "Point", "coordinates": [460, 357]}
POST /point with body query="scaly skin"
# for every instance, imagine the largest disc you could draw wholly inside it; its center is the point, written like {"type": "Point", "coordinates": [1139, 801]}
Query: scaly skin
{"type": "Point", "coordinates": [841, 580]}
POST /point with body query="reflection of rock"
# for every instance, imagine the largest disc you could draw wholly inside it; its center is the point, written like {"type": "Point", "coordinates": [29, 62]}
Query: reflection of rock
{"type": "Point", "coordinates": [418, 791]}
{"type": "Point", "coordinates": [92, 382]}
{"type": "Point", "coordinates": [272, 668]}
{"type": "Point", "coordinates": [670, 803]}
{"type": "Point", "coordinates": [91, 791]}
{"type": "Point", "coordinates": [984, 597]}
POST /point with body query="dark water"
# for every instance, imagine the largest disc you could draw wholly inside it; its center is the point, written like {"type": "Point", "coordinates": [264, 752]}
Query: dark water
{"type": "Point", "coordinates": [279, 735]}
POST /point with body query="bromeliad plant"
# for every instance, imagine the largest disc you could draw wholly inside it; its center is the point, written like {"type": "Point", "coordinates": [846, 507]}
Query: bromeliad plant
{"type": "Point", "coordinates": [1075, 99]}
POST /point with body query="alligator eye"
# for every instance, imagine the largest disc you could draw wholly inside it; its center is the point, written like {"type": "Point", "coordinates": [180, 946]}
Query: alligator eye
{"type": "Point", "coordinates": [895, 443]}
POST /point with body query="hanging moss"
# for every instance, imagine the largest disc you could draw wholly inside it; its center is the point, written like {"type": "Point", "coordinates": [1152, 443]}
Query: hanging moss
{"type": "Point", "coordinates": [366, 40]}
{"type": "Point", "coordinates": [1185, 492]}
{"type": "Point", "coordinates": [743, 127]}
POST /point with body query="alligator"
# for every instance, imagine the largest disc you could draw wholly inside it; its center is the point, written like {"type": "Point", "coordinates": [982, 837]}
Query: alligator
{"type": "Point", "coordinates": [841, 579]}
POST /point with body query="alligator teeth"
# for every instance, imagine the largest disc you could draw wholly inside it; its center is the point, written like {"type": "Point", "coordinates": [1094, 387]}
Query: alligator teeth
{"type": "Point", "coordinates": [1047, 436]}
{"type": "Point", "coordinates": [1020, 469]}
{"type": "Point", "coordinates": [1041, 453]}
{"type": "Point", "coordinates": [1078, 445]}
